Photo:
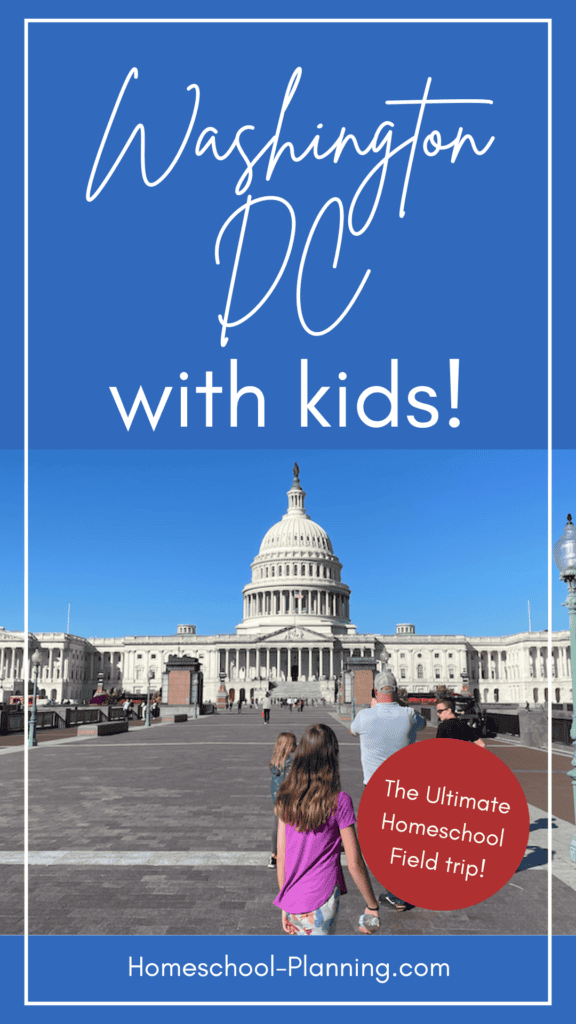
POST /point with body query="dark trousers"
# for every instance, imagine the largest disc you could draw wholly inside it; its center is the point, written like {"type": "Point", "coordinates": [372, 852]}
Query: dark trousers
{"type": "Point", "coordinates": [266, 714]}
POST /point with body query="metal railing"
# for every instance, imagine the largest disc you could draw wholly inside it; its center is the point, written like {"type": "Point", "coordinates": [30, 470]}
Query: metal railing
{"type": "Point", "coordinates": [506, 724]}
{"type": "Point", "coordinates": [561, 731]}
{"type": "Point", "coordinates": [49, 720]}
{"type": "Point", "coordinates": [83, 716]}
{"type": "Point", "coordinates": [12, 721]}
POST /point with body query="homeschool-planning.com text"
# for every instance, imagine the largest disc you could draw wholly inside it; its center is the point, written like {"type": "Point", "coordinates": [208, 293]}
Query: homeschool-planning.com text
{"type": "Point", "coordinates": [294, 966]}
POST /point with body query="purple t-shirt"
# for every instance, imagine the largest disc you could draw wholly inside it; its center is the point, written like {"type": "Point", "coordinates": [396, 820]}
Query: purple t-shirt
{"type": "Point", "coordinates": [313, 862]}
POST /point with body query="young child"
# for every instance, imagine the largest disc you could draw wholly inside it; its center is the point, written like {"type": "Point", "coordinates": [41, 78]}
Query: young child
{"type": "Point", "coordinates": [313, 816]}
{"type": "Point", "coordinates": [280, 765]}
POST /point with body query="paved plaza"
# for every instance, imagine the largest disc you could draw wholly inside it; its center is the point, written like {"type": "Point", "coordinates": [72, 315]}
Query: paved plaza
{"type": "Point", "coordinates": [167, 831]}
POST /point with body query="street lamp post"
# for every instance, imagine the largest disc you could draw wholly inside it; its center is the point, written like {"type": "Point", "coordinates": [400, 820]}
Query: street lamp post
{"type": "Point", "coordinates": [36, 662]}
{"type": "Point", "coordinates": [150, 678]}
{"type": "Point", "coordinates": [565, 558]}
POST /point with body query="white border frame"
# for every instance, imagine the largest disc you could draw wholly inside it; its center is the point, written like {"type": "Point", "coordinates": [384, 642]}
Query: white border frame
{"type": "Point", "coordinates": [286, 20]}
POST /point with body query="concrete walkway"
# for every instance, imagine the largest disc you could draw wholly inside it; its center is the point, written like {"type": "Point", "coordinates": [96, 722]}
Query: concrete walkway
{"type": "Point", "coordinates": [167, 831]}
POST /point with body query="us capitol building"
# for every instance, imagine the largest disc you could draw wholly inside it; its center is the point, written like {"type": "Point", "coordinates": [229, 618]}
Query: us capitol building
{"type": "Point", "coordinates": [295, 633]}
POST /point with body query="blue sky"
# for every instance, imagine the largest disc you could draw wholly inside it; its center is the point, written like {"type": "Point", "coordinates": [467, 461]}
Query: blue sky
{"type": "Point", "coordinates": [139, 541]}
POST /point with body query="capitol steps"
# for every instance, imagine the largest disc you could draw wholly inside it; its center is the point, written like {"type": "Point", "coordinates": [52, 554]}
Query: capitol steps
{"type": "Point", "coordinates": [304, 690]}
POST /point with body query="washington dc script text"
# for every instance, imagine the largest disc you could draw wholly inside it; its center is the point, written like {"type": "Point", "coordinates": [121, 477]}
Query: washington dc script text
{"type": "Point", "coordinates": [381, 145]}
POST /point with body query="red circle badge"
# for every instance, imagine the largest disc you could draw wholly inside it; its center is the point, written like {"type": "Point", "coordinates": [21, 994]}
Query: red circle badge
{"type": "Point", "coordinates": [443, 825]}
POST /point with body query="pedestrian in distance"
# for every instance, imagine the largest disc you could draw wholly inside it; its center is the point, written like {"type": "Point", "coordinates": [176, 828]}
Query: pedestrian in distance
{"type": "Point", "coordinates": [280, 765]}
{"type": "Point", "coordinates": [239, 705]}
{"type": "Point", "coordinates": [451, 726]}
{"type": "Point", "coordinates": [314, 817]}
{"type": "Point", "coordinates": [266, 705]}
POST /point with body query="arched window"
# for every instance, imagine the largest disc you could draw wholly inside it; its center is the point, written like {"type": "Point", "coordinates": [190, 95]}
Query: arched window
{"type": "Point", "coordinates": [420, 671]}
{"type": "Point", "coordinates": [557, 693]}
{"type": "Point", "coordinates": [535, 694]}
{"type": "Point", "coordinates": [546, 694]}
{"type": "Point", "coordinates": [496, 695]}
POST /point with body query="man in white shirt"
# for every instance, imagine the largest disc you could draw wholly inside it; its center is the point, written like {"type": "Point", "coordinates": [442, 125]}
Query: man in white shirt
{"type": "Point", "coordinates": [384, 728]}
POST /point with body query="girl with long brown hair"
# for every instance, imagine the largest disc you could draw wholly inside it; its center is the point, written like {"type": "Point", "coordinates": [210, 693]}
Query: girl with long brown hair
{"type": "Point", "coordinates": [280, 765]}
{"type": "Point", "coordinates": [314, 816]}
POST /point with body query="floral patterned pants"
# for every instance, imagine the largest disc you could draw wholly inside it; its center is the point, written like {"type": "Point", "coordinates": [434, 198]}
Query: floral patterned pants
{"type": "Point", "coordinates": [321, 921]}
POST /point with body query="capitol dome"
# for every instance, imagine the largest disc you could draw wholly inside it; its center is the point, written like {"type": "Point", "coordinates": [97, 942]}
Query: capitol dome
{"type": "Point", "coordinates": [295, 529]}
{"type": "Point", "coordinates": [295, 577]}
